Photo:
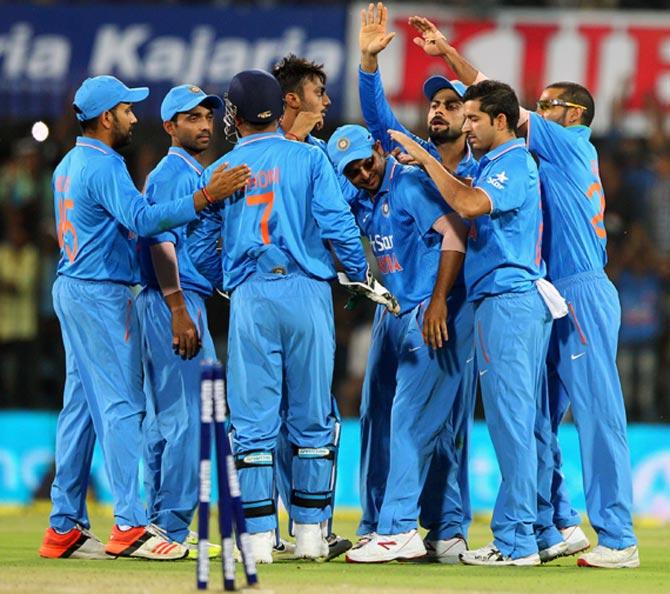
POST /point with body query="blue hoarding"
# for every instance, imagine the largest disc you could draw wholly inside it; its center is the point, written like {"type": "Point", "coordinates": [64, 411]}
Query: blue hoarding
{"type": "Point", "coordinates": [46, 51]}
{"type": "Point", "coordinates": [27, 444]}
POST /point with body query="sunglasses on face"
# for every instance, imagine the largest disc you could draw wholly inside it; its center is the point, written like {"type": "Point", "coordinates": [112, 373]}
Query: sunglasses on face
{"type": "Point", "coordinates": [546, 104]}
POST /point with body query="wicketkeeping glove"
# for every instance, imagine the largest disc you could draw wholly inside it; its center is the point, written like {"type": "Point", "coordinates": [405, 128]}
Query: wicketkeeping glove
{"type": "Point", "coordinates": [372, 289]}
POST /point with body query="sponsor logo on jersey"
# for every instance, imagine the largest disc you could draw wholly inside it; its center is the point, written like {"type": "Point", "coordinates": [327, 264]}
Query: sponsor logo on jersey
{"type": "Point", "coordinates": [381, 243]}
{"type": "Point", "coordinates": [498, 180]}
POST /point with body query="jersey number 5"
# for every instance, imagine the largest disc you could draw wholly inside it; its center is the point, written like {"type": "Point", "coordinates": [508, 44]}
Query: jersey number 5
{"type": "Point", "coordinates": [65, 226]}
{"type": "Point", "coordinates": [266, 198]}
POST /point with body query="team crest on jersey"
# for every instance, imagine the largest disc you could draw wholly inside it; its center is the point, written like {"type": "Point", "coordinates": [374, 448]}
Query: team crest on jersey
{"type": "Point", "coordinates": [386, 209]}
{"type": "Point", "coordinates": [343, 144]}
{"type": "Point", "coordinates": [195, 89]}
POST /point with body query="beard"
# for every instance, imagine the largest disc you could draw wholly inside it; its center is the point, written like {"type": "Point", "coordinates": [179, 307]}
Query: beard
{"type": "Point", "coordinates": [439, 137]}
{"type": "Point", "coordinates": [121, 138]}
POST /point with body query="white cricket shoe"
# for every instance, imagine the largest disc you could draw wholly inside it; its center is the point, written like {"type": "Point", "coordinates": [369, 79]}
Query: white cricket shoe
{"type": "Point", "coordinates": [363, 539]}
{"type": "Point", "coordinates": [283, 550]}
{"type": "Point", "coordinates": [608, 558]}
{"type": "Point", "coordinates": [261, 545]}
{"type": "Point", "coordinates": [490, 555]}
{"type": "Point", "coordinates": [388, 547]}
{"type": "Point", "coordinates": [445, 551]}
{"type": "Point", "coordinates": [576, 540]}
{"type": "Point", "coordinates": [553, 552]}
{"type": "Point", "coordinates": [310, 542]}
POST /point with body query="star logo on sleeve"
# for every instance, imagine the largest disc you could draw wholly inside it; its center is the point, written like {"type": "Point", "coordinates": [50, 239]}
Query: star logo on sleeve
{"type": "Point", "coordinates": [498, 180]}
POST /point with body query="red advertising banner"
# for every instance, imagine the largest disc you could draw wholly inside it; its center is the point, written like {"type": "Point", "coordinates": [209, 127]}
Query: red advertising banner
{"type": "Point", "coordinates": [615, 54]}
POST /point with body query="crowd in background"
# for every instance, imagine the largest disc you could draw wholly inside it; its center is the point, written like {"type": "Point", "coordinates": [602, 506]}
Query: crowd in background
{"type": "Point", "coordinates": [635, 174]}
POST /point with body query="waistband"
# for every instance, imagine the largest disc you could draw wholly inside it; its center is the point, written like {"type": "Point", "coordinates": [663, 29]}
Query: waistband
{"type": "Point", "coordinates": [510, 295]}
{"type": "Point", "coordinates": [94, 282]}
{"type": "Point", "coordinates": [579, 278]}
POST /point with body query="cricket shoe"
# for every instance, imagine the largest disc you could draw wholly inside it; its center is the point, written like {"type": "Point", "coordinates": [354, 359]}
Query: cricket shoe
{"type": "Point", "coordinates": [445, 551]}
{"type": "Point", "coordinates": [191, 543]}
{"type": "Point", "coordinates": [553, 552]}
{"type": "Point", "coordinates": [363, 539]}
{"type": "Point", "coordinates": [145, 542]}
{"type": "Point", "coordinates": [261, 545]}
{"type": "Point", "coordinates": [382, 548]}
{"type": "Point", "coordinates": [337, 545]}
{"type": "Point", "coordinates": [491, 555]}
{"type": "Point", "coordinates": [310, 542]}
{"type": "Point", "coordinates": [77, 543]}
{"type": "Point", "coordinates": [608, 558]}
{"type": "Point", "coordinates": [576, 540]}
{"type": "Point", "coordinates": [283, 550]}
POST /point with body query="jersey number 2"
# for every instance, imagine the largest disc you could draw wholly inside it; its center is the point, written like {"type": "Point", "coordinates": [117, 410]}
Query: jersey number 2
{"type": "Point", "coordinates": [266, 198]}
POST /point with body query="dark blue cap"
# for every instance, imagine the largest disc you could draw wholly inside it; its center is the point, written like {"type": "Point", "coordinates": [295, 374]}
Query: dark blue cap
{"type": "Point", "coordinates": [100, 93]}
{"type": "Point", "coordinates": [437, 83]}
{"type": "Point", "coordinates": [257, 96]}
{"type": "Point", "coordinates": [184, 98]}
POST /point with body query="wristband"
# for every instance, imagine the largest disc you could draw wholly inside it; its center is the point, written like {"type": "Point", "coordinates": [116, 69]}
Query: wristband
{"type": "Point", "coordinates": [207, 196]}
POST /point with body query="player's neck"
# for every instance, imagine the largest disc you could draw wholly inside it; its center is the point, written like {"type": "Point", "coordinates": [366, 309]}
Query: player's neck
{"type": "Point", "coordinates": [452, 153]}
{"type": "Point", "coordinates": [198, 156]}
{"type": "Point", "coordinates": [288, 119]}
{"type": "Point", "coordinates": [100, 135]}
{"type": "Point", "coordinates": [501, 138]}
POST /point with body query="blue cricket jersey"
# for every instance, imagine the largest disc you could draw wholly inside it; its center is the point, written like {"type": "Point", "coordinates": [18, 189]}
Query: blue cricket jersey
{"type": "Point", "coordinates": [176, 175]}
{"type": "Point", "coordinates": [572, 196]}
{"type": "Point", "coordinates": [504, 252]}
{"type": "Point", "coordinates": [379, 118]}
{"type": "Point", "coordinates": [293, 202]}
{"type": "Point", "coordinates": [99, 212]}
{"type": "Point", "coordinates": [398, 222]}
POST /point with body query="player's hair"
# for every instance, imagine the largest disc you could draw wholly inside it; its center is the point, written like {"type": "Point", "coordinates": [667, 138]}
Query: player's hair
{"type": "Point", "coordinates": [494, 98]}
{"type": "Point", "coordinates": [576, 93]}
{"type": "Point", "coordinates": [92, 124]}
{"type": "Point", "coordinates": [292, 73]}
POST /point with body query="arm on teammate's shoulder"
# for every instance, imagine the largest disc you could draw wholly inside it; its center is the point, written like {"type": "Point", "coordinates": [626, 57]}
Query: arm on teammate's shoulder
{"type": "Point", "coordinates": [468, 202]}
{"type": "Point", "coordinates": [334, 218]}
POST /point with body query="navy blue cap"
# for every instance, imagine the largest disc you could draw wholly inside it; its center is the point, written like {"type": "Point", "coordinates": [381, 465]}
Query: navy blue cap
{"type": "Point", "coordinates": [437, 83]}
{"type": "Point", "coordinates": [349, 143]}
{"type": "Point", "coordinates": [184, 98]}
{"type": "Point", "coordinates": [257, 96]}
{"type": "Point", "coordinates": [100, 93]}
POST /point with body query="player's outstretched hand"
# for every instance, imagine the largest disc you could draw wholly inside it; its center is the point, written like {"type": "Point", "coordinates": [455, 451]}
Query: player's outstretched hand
{"type": "Point", "coordinates": [434, 329]}
{"type": "Point", "coordinates": [398, 154]}
{"type": "Point", "coordinates": [185, 339]}
{"type": "Point", "coordinates": [225, 182]}
{"type": "Point", "coordinates": [372, 289]}
{"type": "Point", "coordinates": [373, 37]}
{"type": "Point", "coordinates": [413, 148]}
{"type": "Point", "coordinates": [304, 123]}
{"type": "Point", "coordinates": [432, 41]}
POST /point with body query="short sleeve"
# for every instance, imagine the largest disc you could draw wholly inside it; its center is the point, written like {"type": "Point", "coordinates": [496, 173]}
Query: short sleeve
{"type": "Point", "coordinates": [421, 199]}
{"type": "Point", "coordinates": [548, 140]}
{"type": "Point", "coordinates": [505, 186]}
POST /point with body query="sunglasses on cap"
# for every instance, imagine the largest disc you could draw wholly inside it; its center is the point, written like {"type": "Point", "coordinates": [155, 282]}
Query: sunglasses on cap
{"type": "Point", "coordinates": [545, 104]}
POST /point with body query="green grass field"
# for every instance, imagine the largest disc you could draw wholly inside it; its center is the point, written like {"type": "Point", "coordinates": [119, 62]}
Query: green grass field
{"type": "Point", "coordinates": [23, 571]}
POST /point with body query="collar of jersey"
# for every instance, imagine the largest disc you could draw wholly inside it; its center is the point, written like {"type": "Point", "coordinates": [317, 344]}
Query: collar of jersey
{"type": "Point", "coordinates": [259, 136]}
{"type": "Point", "coordinates": [580, 129]}
{"type": "Point", "coordinates": [96, 145]}
{"type": "Point", "coordinates": [190, 161]}
{"type": "Point", "coordinates": [505, 147]}
{"type": "Point", "coordinates": [389, 173]}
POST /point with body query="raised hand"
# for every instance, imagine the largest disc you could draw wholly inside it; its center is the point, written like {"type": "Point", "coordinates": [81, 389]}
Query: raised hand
{"type": "Point", "coordinates": [225, 182]}
{"type": "Point", "coordinates": [432, 41]}
{"type": "Point", "coordinates": [413, 148]}
{"type": "Point", "coordinates": [373, 37]}
{"type": "Point", "coordinates": [304, 123]}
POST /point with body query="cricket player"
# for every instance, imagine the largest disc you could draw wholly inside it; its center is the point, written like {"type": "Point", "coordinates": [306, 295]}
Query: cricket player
{"type": "Point", "coordinates": [513, 304]}
{"type": "Point", "coordinates": [446, 142]}
{"type": "Point", "coordinates": [581, 363]}
{"type": "Point", "coordinates": [281, 336]}
{"type": "Point", "coordinates": [173, 323]}
{"type": "Point", "coordinates": [99, 212]}
{"type": "Point", "coordinates": [306, 102]}
{"type": "Point", "coordinates": [419, 244]}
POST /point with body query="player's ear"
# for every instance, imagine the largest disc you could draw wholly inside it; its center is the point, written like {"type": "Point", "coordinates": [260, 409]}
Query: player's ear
{"type": "Point", "coordinates": [169, 127]}
{"type": "Point", "coordinates": [293, 101]}
{"type": "Point", "coordinates": [378, 147]}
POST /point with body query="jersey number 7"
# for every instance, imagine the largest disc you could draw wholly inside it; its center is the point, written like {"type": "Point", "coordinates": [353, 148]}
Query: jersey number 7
{"type": "Point", "coordinates": [266, 198]}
